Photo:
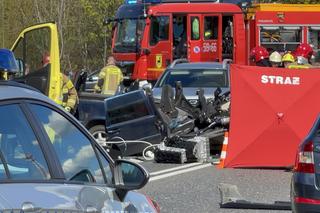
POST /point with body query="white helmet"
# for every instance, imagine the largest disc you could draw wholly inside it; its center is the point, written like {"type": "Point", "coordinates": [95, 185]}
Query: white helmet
{"type": "Point", "coordinates": [275, 57]}
{"type": "Point", "coordinates": [302, 60]}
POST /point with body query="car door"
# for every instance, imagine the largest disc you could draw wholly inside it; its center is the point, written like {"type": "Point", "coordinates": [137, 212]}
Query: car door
{"type": "Point", "coordinates": [34, 45]}
{"type": "Point", "coordinates": [84, 164]}
{"type": "Point", "coordinates": [48, 163]}
{"type": "Point", "coordinates": [131, 117]}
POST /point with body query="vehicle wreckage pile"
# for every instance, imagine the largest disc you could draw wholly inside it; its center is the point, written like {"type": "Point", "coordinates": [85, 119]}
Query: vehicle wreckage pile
{"type": "Point", "coordinates": [186, 131]}
{"type": "Point", "coordinates": [188, 128]}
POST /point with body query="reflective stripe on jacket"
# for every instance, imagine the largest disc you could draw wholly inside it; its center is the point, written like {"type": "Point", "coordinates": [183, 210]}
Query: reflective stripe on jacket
{"type": "Point", "coordinates": [299, 66]}
{"type": "Point", "coordinates": [109, 79]}
{"type": "Point", "coordinates": [68, 95]}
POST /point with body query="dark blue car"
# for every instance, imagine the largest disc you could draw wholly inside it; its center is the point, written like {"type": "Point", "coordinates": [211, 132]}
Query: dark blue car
{"type": "Point", "coordinates": [305, 185]}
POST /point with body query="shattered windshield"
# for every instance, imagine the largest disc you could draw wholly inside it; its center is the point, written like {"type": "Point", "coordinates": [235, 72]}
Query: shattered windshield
{"type": "Point", "coordinates": [129, 34]}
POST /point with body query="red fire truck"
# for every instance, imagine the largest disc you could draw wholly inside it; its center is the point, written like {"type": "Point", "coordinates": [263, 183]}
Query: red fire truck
{"type": "Point", "coordinates": [283, 27]}
{"type": "Point", "coordinates": [149, 36]}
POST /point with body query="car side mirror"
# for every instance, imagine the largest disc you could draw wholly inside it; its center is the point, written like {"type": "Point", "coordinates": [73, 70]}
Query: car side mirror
{"type": "Point", "coordinates": [128, 176]}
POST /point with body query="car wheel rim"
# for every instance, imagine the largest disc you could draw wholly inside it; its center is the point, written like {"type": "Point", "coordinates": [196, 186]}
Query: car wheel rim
{"type": "Point", "coordinates": [100, 136]}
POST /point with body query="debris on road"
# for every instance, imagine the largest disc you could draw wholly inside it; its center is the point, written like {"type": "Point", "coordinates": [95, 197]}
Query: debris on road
{"type": "Point", "coordinates": [231, 198]}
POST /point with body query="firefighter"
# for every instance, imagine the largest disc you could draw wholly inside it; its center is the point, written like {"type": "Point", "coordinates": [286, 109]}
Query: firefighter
{"type": "Point", "coordinates": [303, 54]}
{"type": "Point", "coordinates": [109, 78]}
{"type": "Point", "coordinates": [275, 59]}
{"type": "Point", "coordinates": [179, 37]}
{"type": "Point", "coordinates": [260, 56]}
{"type": "Point", "coordinates": [287, 60]}
{"type": "Point", "coordinates": [68, 97]}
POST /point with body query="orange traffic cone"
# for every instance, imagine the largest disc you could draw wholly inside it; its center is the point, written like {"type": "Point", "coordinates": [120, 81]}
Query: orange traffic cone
{"type": "Point", "coordinates": [223, 154]}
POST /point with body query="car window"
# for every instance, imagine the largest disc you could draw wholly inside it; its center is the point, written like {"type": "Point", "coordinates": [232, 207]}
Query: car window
{"type": "Point", "coordinates": [106, 167]}
{"type": "Point", "coordinates": [196, 78]}
{"type": "Point", "coordinates": [75, 152]}
{"type": "Point", "coordinates": [126, 108]}
{"type": "Point", "coordinates": [3, 174]}
{"type": "Point", "coordinates": [19, 147]}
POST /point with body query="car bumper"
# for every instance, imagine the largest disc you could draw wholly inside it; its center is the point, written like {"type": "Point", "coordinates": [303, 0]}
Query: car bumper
{"type": "Point", "coordinates": [304, 208]}
{"type": "Point", "coordinates": [305, 197]}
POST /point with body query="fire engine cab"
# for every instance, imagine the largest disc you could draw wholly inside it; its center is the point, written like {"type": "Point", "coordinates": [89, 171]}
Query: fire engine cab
{"type": "Point", "coordinates": [149, 35]}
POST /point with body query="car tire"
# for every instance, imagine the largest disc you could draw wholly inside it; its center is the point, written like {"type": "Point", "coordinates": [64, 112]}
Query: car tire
{"type": "Point", "coordinates": [99, 133]}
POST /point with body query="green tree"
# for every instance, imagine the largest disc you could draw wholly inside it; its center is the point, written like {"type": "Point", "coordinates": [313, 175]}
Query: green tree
{"type": "Point", "coordinates": [84, 41]}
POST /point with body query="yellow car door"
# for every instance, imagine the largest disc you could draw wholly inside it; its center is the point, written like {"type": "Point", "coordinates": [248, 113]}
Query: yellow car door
{"type": "Point", "coordinates": [37, 53]}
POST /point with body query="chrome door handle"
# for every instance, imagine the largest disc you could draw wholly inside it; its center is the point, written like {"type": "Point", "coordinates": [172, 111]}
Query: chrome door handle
{"type": "Point", "coordinates": [29, 207]}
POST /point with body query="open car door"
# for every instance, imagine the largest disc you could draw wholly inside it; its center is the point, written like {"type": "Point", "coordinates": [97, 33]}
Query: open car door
{"type": "Point", "coordinates": [30, 47]}
{"type": "Point", "coordinates": [131, 117]}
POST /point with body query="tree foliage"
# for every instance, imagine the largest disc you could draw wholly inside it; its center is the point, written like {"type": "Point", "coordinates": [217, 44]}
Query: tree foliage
{"type": "Point", "coordinates": [84, 41]}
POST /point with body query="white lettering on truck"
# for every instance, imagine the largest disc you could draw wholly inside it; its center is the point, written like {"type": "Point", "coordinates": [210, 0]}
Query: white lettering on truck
{"type": "Point", "coordinates": [271, 79]}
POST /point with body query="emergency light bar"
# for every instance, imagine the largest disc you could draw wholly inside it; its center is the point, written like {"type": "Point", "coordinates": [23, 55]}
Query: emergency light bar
{"type": "Point", "coordinates": [143, 1]}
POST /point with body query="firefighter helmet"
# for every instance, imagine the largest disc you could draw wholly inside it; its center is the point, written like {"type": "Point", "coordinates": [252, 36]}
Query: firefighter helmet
{"type": "Point", "coordinates": [258, 53]}
{"type": "Point", "coordinates": [288, 57]}
{"type": "Point", "coordinates": [302, 60]}
{"type": "Point", "coordinates": [304, 50]}
{"type": "Point", "coordinates": [275, 57]}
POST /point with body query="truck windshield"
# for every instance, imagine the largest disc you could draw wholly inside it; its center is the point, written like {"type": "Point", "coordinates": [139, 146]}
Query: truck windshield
{"type": "Point", "coordinates": [130, 27]}
{"type": "Point", "coordinates": [128, 35]}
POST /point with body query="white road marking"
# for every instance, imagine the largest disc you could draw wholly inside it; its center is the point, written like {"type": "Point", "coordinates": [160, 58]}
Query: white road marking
{"type": "Point", "coordinates": [179, 172]}
{"type": "Point", "coordinates": [174, 169]}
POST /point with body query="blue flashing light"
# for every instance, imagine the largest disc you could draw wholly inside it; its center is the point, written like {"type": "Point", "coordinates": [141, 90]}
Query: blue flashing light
{"type": "Point", "coordinates": [8, 62]}
{"type": "Point", "coordinates": [131, 1]}
{"type": "Point", "coordinates": [143, 1]}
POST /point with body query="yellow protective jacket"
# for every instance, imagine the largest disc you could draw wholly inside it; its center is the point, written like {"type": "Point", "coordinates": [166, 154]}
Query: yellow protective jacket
{"type": "Point", "coordinates": [68, 94]}
{"type": "Point", "coordinates": [299, 66]}
{"type": "Point", "coordinates": [109, 79]}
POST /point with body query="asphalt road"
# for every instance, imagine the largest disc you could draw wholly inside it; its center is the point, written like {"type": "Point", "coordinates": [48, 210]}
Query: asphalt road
{"type": "Point", "coordinates": [194, 187]}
